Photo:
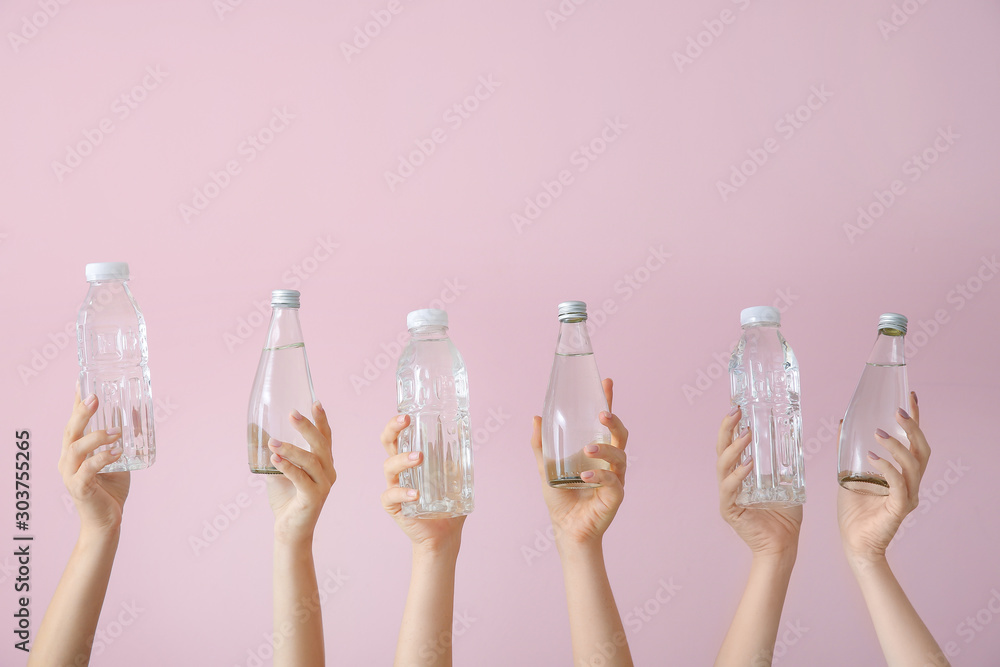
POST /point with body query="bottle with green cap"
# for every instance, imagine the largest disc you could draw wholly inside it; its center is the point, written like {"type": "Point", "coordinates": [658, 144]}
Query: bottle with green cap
{"type": "Point", "coordinates": [882, 390]}
{"type": "Point", "coordinates": [113, 355]}
{"type": "Point", "coordinates": [283, 384]}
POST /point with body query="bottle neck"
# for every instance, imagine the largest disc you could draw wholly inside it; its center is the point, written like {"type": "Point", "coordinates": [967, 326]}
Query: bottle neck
{"type": "Point", "coordinates": [573, 338]}
{"type": "Point", "coordinates": [889, 349]}
{"type": "Point", "coordinates": [429, 332]}
{"type": "Point", "coordinates": [284, 329]}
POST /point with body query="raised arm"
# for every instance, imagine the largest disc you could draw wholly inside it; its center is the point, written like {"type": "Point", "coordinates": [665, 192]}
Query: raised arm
{"type": "Point", "coordinates": [868, 524]}
{"type": "Point", "coordinates": [66, 634]}
{"type": "Point", "coordinates": [773, 538]}
{"type": "Point", "coordinates": [297, 498]}
{"type": "Point", "coordinates": [580, 517]}
{"type": "Point", "coordinates": [425, 635]}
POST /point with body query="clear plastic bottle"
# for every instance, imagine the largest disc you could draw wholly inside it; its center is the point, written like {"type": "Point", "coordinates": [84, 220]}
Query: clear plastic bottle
{"type": "Point", "coordinates": [882, 390]}
{"type": "Point", "coordinates": [113, 355]}
{"type": "Point", "coordinates": [573, 404]}
{"type": "Point", "coordinates": [282, 384]}
{"type": "Point", "coordinates": [432, 386]}
{"type": "Point", "coordinates": [764, 380]}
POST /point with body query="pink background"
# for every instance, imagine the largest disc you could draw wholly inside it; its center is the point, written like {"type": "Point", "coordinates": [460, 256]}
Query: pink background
{"type": "Point", "coordinates": [780, 237]}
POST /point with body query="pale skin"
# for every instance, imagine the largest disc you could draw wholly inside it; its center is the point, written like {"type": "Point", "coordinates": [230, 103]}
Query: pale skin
{"type": "Point", "coordinates": [580, 518]}
{"type": "Point", "coordinates": [66, 634]}
{"type": "Point", "coordinates": [868, 524]}
{"type": "Point", "coordinates": [773, 538]}
{"type": "Point", "coordinates": [425, 634]}
{"type": "Point", "coordinates": [297, 497]}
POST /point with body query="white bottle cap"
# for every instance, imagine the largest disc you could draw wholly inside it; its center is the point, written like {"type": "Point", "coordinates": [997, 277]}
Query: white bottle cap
{"type": "Point", "coordinates": [107, 271]}
{"type": "Point", "coordinates": [760, 315]}
{"type": "Point", "coordinates": [427, 317]}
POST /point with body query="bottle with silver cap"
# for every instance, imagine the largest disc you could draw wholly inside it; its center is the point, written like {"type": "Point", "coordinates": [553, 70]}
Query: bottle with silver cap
{"type": "Point", "coordinates": [114, 355]}
{"type": "Point", "coordinates": [573, 404]}
{"type": "Point", "coordinates": [432, 387]}
{"type": "Point", "coordinates": [764, 383]}
{"type": "Point", "coordinates": [283, 384]}
{"type": "Point", "coordinates": [882, 389]}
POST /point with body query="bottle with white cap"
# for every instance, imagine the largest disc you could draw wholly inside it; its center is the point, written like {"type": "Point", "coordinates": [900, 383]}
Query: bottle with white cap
{"type": "Point", "coordinates": [882, 389]}
{"type": "Point", "coordinates": [113, 355]}
{"type": "Point", "coordinates": [573, 404]}
{"type": "Point", "coordinates": [283, 384]}
{"type": "Point", "coordinates": [432, 387]}
{"type": "Point", "coordinates": [764, 383]}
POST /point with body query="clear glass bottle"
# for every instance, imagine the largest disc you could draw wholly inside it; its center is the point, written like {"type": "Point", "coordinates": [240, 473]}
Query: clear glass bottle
{"type": "Point", "coordinates": [283, 384]}
{"type": "Point", "coordinates": [113, 355]}
{"type": "Point", "coordinates": [882, 390]}
{"type": "Point", "coordinates": [764, 383]}
{"type": "Point", "coordinates": [432, 387]}
{"type": "Point", "coordinates": [573, 404]}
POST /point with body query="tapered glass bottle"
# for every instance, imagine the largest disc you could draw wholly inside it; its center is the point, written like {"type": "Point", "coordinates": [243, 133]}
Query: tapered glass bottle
{"type": "Point", "coordinates": [882, 390]}
{"type": "Point", "coordinates": [432, 387]}
{"type": "Point", "coordinates": [573, 404]}
{"type": "Point", "coordinates": [283, 384]}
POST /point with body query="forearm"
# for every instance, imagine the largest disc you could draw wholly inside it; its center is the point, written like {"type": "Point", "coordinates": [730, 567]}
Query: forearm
{"type": "Point", "coordinates": [68, 627]}
{"type": "Point", "coordinates": [904, 638]}
{"type": "Point", "coordinates": [595, 624]}
{"type": "Point", "coordinates": [425, 636]}
{"type": "Point", "coordinates": [751, 636]}
{"type": "Point", "coordinates": [298, 617]}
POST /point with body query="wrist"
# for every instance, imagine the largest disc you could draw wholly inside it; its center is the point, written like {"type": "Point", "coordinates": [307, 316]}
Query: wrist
{"type": "Point", "coordinates": [438, 550]}
{"type": "Point", "coordinates": [778, 559]}
{"type": "Point", "coordinates": [100, 534]}
{"type": "Point", "coordinates": [866, 562]}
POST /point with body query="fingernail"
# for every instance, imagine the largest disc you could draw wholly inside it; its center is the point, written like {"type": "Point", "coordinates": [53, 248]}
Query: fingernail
{"type": "Point", "coordinates": [412, 493]}
{"type": "Point", "coordinates": [605, 415]}
{"type": "Point", "coordinates": [90, 400]}
{"type": "Point", "coordinates": [114, 430]}
{"type": "Point", "coordinates": [732, 412]}
{"type": "Point", "coordinates": [274, 444]}
{"type": "Point", "coordinates": [586, 474]}
{"type": "Point", "coordinates": [590, 449]}
{"type": "Point", "coordinates": [401, 419]}
{"type": "Point", "coordinates": [914, 395]}
{"type": "Point", "coordinates": [414, 456]}
{"type": "Point", "coordinates": [296, 415]}
{"type": "Point", "coordinates": [749, 461]}
{"type": "Point", "coordinates": [903, 413]}
{"type": "Point", "coordinates": [873, 456]}
{"type": "Point", "coordinates": [880, 433]}
{"type": "Point", "coordinates": [116, 449]}
{"type": "Point", "coordinates": [275, 458]}
{"type": "Point", "coordinates": [318, 406]}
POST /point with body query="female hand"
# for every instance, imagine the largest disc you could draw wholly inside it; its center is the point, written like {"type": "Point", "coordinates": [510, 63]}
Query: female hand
{"type": "Point", "coordinates": [868, 523]}
{"type": "Point", "coordinates": [99, 498]}
{"type": "Point", "coordinates": [768, 532]}
{"type": "Point", "coordinates": [297, 495]}
{"type": "Point", "coordinates": [433, 535]}
{"type": "Point", "coordinates": [583, 515]}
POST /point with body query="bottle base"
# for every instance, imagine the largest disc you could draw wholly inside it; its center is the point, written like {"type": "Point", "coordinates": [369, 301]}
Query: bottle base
{"type": "Point", "coordinates": [126, 465]}
{"type": "Point", "coordinates": [779, 498]}
{"type": "Point", "coordinates": [436, 510]}
{"type": "Point", "coordinates": [265, 471]}
{"type": "Point", "coordinates": [571, 482]}
{"type": "Point", "coordinates": [868, 485]}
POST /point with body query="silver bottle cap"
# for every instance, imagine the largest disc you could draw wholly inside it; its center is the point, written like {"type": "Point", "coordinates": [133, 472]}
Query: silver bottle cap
{"type": "Point", "coordinates": [892, 321]}
{"type": "Point", "coordinates": [285, 298]}
{"type": "Point", "coordinates": [427, 317]}
{"type": "Point", "coordinates": [107, 271]}
{"type": "Point", "coordinates": [572, 311]}
{"type": "Point", "coordinates": [760, 315]}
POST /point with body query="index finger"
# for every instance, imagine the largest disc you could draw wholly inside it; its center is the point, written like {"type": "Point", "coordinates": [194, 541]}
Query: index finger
{"type": "Point", "coordinates": [82, 412]}
{"type": "Point", "coordinates": [726, 430]}
{"type": "Point", "coordinates": [390, 434]}
{"type": "Point", "coordinates": [619, 434]}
